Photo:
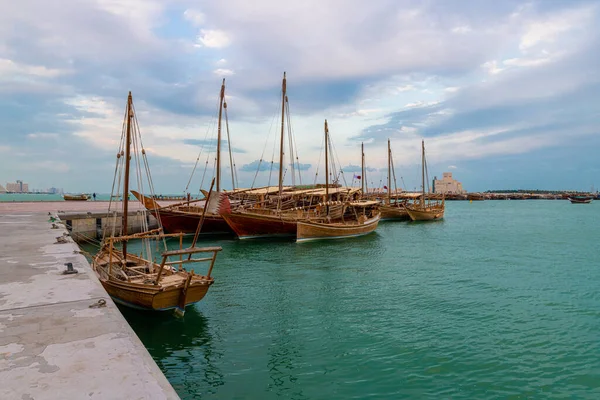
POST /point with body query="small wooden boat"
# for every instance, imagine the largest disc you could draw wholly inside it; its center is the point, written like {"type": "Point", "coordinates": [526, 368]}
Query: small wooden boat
{"type": "Point", "coordinates": [475, 197]}
{"type": "Point", "coordinates": [363, 225]}
{"type": "Point", "coordinates": [76, 197]}
{"type": "Point", "coordinates": [137, 281]}
{"type": "Point", "coordinates": [425, 209]}
{"type": "Point", "coordinates": [393, 208]}
{"type": "Point", "coordinates": [357, 217]}
{"type": "Point", "coordinates": [581, 199]}
{"type": "Point", "coordinates": [394, 212]}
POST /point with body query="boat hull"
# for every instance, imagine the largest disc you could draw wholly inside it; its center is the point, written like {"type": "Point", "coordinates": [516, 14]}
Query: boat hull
{"type": "Point", "coordinates": [177, 221]}
{"type": "Point", "coordinates": [425, 214]}
{"type": "Point", "coordinates": [154, 298]}
{"type": "Point", "coordinates": [393, 213]}
{"type": "Point", "coordinates": [308, 230]}
{"type": "Point", "coordinates": [585, 200]}
{"type": "Point", "coordinates": [251, 226]}
{"type": "Point", "coordinates": [81, 197]}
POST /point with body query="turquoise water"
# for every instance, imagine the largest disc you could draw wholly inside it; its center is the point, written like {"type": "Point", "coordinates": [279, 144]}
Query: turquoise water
{"type": "Point", "coordinates": [9, 197]}
{"type": "Point", "coordinates": [5, 197]}
{"type": "Point", "coordinates": [499, 300]}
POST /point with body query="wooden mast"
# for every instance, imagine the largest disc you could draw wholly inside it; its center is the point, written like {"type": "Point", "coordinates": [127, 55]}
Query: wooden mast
{"type": "Point", "coordinates": [389, 185]}
{"type": "Point", "coordinates": [423, 171]}
{"type": "Point", "coordinates": [222, 96]}
{"type": "Point", "coordinates": [283, 94]}
{"type": "Point", "coordinates": [326, 169]}
{"type": "Point", "coordinates": [229, 143]}
{"type": "Point", "coordinates": [362, 168]}
{"type": "Point", "coordinates": [126, 183]}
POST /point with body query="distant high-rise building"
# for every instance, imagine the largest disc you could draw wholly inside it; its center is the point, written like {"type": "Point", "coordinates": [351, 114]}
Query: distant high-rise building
{"type": "Point", "coordinates": [447, 185]}
{"type": "Point", "coordinates": [18, 187]}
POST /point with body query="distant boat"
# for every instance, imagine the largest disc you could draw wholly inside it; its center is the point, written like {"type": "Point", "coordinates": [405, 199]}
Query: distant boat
{"type": "Point", "coordinates": [476, 196]}
{"type": "Point", "coordinates": [76, 197]}
{"type": "Point", "coordinates": [425, 209]}
{"type": "Point", "coordinates": [581, 199]}
{"type": "Point", "coordinates": [392, 209]}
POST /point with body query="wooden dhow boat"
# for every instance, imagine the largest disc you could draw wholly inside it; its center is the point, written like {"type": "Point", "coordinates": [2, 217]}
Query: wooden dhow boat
{"type": "Point", "coordinates": [425, 209]}
{"type": "Point", "coordinates": [139, 281]}
{"type": "Point", "coordinates": [276, 216]}
{"type": "Point", "coordinates": [393, 208]}
{"type": "Point", "coordinates": [76, 197]}
{"type": "Point", "coordinates": [357, 218]}
{"type": "Point", "coordinates": [581, 199]}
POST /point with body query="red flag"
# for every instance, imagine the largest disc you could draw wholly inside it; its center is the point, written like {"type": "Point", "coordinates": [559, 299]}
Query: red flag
{"type": "Point", "coordinates": [385, 187]}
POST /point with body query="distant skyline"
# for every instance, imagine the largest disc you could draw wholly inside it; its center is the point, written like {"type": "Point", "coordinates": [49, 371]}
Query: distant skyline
{"type": "Point", "coordinates": [505, 94]}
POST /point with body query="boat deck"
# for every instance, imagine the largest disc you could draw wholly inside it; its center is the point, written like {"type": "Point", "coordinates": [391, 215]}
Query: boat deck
{"type": "Point", "coordinates": [55, 341]}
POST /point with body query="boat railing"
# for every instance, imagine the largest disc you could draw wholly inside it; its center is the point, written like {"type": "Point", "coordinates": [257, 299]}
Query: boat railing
{"type": "Point", "coordinates": [190, 251]}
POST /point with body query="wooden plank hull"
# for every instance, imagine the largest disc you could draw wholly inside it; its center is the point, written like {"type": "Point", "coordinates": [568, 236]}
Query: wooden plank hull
{"type": "Point", "coordinates": [580, 200]}
{"type": "Point", "coordinates": [75, 197]}
{"type": "Point", "coordinates": [173, 291]}
{"type": "Point", "coordinates": [427, 214]}
{"type": "Point", "coordinates": [249, 225]}
{"type": "Point", "coordinates": [174, 221]}
{"type": "Point", "coordinates": [394, 213]}
{"type": "Point", "coordinates": [154, 298]}
{"type": "Point", "coordinates": [308, 230]}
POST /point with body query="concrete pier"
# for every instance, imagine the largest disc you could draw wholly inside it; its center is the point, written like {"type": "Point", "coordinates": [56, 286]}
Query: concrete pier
{"type": "Point", "coordinates": [57, 339]}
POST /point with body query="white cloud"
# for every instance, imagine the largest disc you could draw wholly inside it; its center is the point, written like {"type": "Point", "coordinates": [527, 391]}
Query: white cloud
{"type": "Point", "coordinates": [9, 67]}
{"type": "Point", "coordinates": [529, 61]}
{"type": "Point", "coordinates": [420, 103]}
{"type": "Point", "coordinates": [451, 89]}
{"type": "Point", "coordinates": [555, 25]}
{"type": "Point", "coordinates": [213, 38]}
{"type": "Point", "coordinates": [462, 29]}
{"type": "Point", "coordinates": [222, 61]}
{"type": "Point", "coordinates": [492, 67]}
{"type": "Point", "coordinates": [42, 135]}
{"type": "Point", "coordinates": [405, 88]}
{"type": "Point", "coordinates": [196, 17]}
{"type": "Point", "coordinates": [223, 72]}
{"type": "Point", "coordinates": [362, 112]}
{"type": "Point", "coordinates": [452, 167]}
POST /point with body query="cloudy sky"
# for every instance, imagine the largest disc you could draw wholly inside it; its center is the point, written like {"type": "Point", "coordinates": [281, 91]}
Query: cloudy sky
{"type": "Point", "coordinates": [504, 93]}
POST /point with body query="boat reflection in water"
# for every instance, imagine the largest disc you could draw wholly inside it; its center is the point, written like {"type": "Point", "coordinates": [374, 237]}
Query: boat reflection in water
{"type": "Point", "coordinates": [183, 348]}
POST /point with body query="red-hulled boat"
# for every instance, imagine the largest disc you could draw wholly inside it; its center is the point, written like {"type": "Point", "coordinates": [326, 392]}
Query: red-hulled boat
{"type": "Point", "coordinates": [184, 217]}
{"type": "Point", "coordinates": [251, 225]}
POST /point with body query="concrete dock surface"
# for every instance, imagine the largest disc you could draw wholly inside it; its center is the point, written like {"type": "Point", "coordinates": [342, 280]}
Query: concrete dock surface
{"type": "Point", "coordinates": [57, 341]}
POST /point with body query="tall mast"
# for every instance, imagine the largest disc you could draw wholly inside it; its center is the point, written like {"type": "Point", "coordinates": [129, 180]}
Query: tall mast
{"type": "Point", "coordinates": [423, 169]}
{"type": "Point", "coordinates": [362, 168]}
{"type": "Point", "coordinates": [222, 96]}
{"type": "Point", "coordinates": [283, 95]}
{"type": "Point", "coordinates": [326, 167]}
{"type": "Point", "coordinates": [126, 183]}
{"type": "Point", "coordinates": [389, 185]}
{"type": "Point", "coordinates": [229, 143]}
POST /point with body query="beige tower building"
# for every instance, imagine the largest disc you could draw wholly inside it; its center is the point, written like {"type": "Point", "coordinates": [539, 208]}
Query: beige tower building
{"type": "Point", "coordinates": [447, 185]}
